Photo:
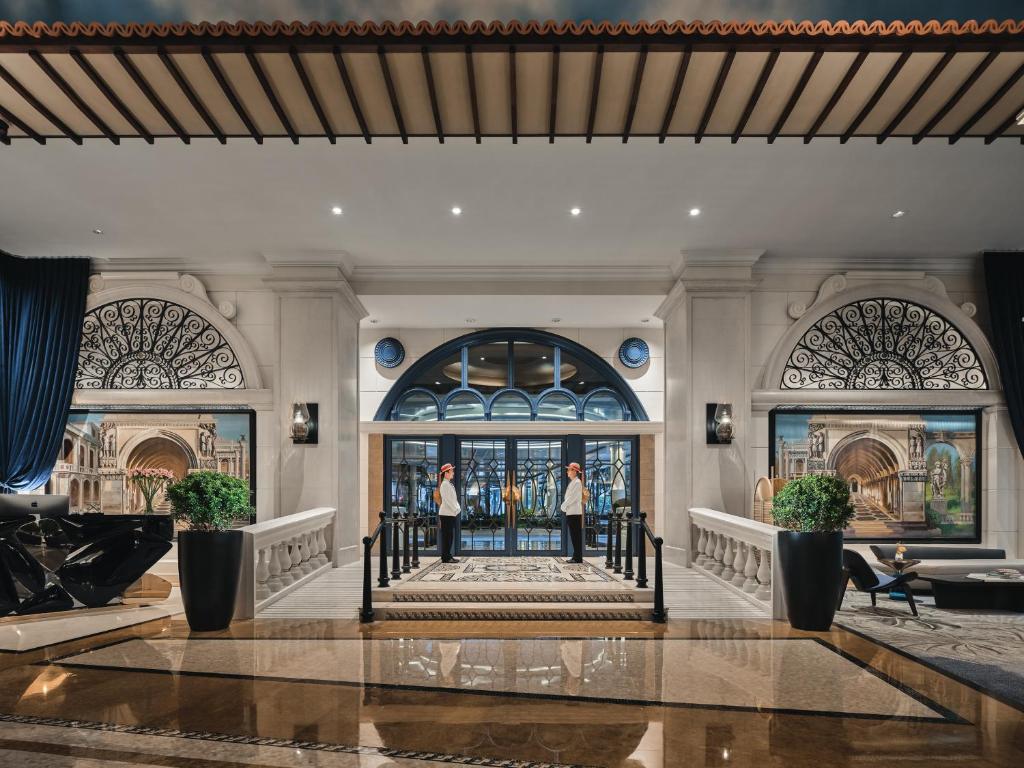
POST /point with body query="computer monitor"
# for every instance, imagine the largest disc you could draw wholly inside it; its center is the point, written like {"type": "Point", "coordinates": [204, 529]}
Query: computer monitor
{"type": "Point", "coordinates": [18, 505]}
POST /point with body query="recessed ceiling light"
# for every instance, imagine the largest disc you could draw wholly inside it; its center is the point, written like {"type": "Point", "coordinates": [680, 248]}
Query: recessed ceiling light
{"type": "Point", "coordinates": [470, 319]}
{"type": "Point", "coordinates": [374, 321]}
{"type": "Point", "coordinates": [646, 320]}
{"type": "Point", "coordinates": [336, 210]}
{"type": "Point", "coordinates": [583, 382]}
{"type": "Point", "coordinates": [574, 211]}
{"type": "Point", "coordinates": [456, 211]}
{"type": "Point", "coordinates": [437, 383]}
{"type": "Point", "coordinates": [482, 359]}
{"type": "Point", "coordinates": [899, 214]}
{"type": "Point", "coordinates": [695, 211]}
{"type": "Point", "coordinates": [556, 319]}
{"type": "Point", "coordinates": [543, 357]}
{"type": "Point", "coordinates": [97, 231]}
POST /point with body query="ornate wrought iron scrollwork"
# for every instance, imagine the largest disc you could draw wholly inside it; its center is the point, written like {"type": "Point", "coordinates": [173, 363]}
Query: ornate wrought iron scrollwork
{"type": "Point", "coordinates": [146, 343]}
{"type": "Point", "coordinates": [883, 344]}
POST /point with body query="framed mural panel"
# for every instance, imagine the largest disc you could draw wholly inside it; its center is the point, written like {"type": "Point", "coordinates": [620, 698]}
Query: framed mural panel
{"type": "Point", "coordinates": [913, 475]}
{"type": "Point", "coordinates": [101, 446]}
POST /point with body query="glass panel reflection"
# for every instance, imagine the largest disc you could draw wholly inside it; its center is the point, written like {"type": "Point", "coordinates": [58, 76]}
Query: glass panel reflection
{"type": "Point", "coordinates": [483, 475]}
{"type": "Point", "coordinates": [608, 473]}
{"type": "Point", "coordinates": [534, 367]}
{"type": "Point", "coordinates": [510, 407]}
{"type": "Point", "coordinates": [557, 407]}
{"type": "Point", "coordinates": [416, 406]}
{"type": "Point", "coordinates": [604, 406]}
{"type": "Point", "coordinates": [412, 481]}
{"type": "Point", "coordinates": [465, 406]}
{"type": "Point", "coordinates": [539, 480]}
{"type": "Point", "coordinates": [487, 369]}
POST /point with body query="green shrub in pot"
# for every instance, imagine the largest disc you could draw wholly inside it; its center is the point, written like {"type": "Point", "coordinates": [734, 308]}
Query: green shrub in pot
{"type": "Point", "coordinates": [209, 501]}
{"type": "Point", "coordinates": [813, 503]}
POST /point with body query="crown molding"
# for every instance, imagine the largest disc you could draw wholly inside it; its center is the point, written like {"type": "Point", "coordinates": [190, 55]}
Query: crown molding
{"type": "Point", "coordinates": [890, 265]}
{"type": "Point", "coordinates": [305, 280]}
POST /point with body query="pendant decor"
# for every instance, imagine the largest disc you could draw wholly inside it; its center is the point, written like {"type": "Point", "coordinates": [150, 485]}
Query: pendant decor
{"type": "Point", "coordinates": [144, 343]}
{"type": "Point", "coordinates": [634, 352]}
{"type": "Point", "coordinates": [389, 352]}
{"type": "Point", "coordinates": [877, 344]}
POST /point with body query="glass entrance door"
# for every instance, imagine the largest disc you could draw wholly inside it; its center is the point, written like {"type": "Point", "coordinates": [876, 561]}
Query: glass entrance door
{"type": "Point", "coordinates": [483, 476]}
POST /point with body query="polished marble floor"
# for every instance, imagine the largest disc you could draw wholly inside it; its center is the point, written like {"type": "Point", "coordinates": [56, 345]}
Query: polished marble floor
{"type": "Point", "coordinates": [332, 693]}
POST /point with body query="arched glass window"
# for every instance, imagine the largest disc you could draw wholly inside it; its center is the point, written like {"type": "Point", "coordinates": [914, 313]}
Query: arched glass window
{"type": "Point", "coordinates": [603, 406]}
{"type": "Point", "coordinates": [511, 374]}
{"type": "Point", "coordinates": [511, 406]}
{"type": "Point", "coordinates": [557, 407]}
{"type": "Point", "coordinates": [416, 406]}
{"type": "Point", "coordinates": [465, 406]}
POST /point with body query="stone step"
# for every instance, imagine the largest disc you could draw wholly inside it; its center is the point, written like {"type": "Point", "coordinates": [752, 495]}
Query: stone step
{"type": "Point", "coordinates": [512, 612]}
{"type": "Point", "coordinates": [624, 596]}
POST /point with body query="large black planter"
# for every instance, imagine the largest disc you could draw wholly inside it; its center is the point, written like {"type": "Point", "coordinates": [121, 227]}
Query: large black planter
{"type": "Point", "coordinates": [209, 565]}
{"type": "Point", "coordinates": [812, 570]}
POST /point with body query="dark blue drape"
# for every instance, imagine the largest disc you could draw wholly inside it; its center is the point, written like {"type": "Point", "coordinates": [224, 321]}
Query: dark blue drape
{"type": "Point", "coordinates": [1004, 278]}
{"type": "Point", "coordinates": [42, 305]}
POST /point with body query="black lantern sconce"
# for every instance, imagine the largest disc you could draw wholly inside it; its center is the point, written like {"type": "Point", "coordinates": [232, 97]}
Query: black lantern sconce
{"type": "Point", "coordinates": [304, 428]}
{"type": "Point", "coordinates": [720, 427]}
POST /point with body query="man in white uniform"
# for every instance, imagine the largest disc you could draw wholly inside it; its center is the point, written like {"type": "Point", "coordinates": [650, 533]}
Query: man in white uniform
{"type": "Point", "coordinates": [448, 512]}
{"type": "Point", "coordinates": [572, 508]}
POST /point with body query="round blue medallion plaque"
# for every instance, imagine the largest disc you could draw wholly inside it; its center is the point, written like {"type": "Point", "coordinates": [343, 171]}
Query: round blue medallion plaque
{"type": "Point", "coordinates": [634, 352]}
{"type": "Point", "coordinates": [389, 352]}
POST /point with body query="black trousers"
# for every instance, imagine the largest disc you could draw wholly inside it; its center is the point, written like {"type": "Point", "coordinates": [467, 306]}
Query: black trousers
{"type": "Point", "coordinates": [447, 537]}
{"type": "Point", "coordinates": [575, 525]}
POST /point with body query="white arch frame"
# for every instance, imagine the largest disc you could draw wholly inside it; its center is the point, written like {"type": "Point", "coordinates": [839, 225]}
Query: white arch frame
{"type": "Point", "coordinates": [136, 440]}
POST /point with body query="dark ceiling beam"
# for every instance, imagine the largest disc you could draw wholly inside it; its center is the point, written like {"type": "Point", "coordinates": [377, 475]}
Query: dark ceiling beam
{"type": "Point", "coordinates": [953, 100]}
{"type": "Point", "coordinates": [553, 103]}
{"type": "Point", "coordinates": [307, 86]}
{"type": "Point", "coordinates": [794, 97]}
{"type": "Point", "coordinates": [677, 86]}
{"type": "Point", "coordinates": [178, 76]}
{"type": "Point", "coordinates": [38, 105]}
{"type": "Point", "coordinates": [723, 73]}
{"type": "Point", "coordinates": [229, 94]}
{"type": "Point", "coordinates": [396, 108]}
{"type": "Point", "coordinates": [346, 80]}
{"type": "Point", "coordinates": [984, 109]}
{"type": "Point", "coordinates": [64, 87]}
{"type": "Point", "coordinates": [147, 90]}
{"type": "Point", "coordinates": [1005, 125]}
{"type": "Point", "coordinates": [837, 94]}
{"type": "Point", "coordinates": [471, 77]}
{"type": "Point", "coordinates": [432, 91]}
{"type": "Point", "coordinates": [595, 88]}
{"type": "Point", "coordinates": [104, 88]}
{"type": "Point", "coordinates": [883, 86]}
{"type": "Point", "coordinates": [937, 70]}
{"type": "Point", "coordinates": [513, 112]}
{"type": "Point", "coordinates": [762, 80]}
{"type": "Point", "coordinates": [13, 119]}
{"type": "Point", "coordinates": [638, 76]}
{"type": "Point", "coordinates": [268, 91]}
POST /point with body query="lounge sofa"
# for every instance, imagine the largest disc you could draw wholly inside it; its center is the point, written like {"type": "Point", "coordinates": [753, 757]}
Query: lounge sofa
{"type": "Point", "coordinates": [944, 560]}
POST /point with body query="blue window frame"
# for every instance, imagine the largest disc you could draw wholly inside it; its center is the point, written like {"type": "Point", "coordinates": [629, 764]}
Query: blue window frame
{"type": "Point", "coordinates": [511, 374]}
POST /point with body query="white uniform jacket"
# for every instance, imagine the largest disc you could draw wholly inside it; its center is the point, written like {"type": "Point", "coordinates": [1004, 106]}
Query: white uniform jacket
{"type": "Point", "coordinates": [449, 500]}
{"type": "Point", "coordinates": [573, 502]}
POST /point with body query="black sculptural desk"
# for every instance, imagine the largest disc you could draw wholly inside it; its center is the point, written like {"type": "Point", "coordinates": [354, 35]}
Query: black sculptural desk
{"type": "Point", "coordinates": [56, 563]}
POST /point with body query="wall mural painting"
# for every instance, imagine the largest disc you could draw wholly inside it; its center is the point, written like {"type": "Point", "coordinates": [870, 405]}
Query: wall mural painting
{"type": "Point", "coordinates": [911, 475]}
{"type": "Point", "coordinates": [100, 450]}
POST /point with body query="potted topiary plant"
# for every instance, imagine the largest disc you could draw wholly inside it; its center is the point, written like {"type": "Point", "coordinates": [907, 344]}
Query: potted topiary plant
{"type": "Point", "coordinates": [209, 555]}
{"type": "Point", "coordinates": [815, 509]}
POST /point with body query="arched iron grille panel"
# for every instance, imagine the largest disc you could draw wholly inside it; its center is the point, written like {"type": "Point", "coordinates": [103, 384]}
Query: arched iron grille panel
{"type": "Point", "coordinates": [153, 344]}
{"type": "Point", "coordinates": [883, 344]}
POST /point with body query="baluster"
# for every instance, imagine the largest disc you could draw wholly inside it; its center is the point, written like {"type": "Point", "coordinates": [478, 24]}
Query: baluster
{"type": "Point", "coordinates": [764, 576]}
{"type": "Point", "coordinates": [406, 562]}
{"type": "Point", "coordinates": [321, 546]}
{"type": "Point", "coordinates": [366, 610]}
{"type": "Point", "coordinates": [382, 574]}
{"type": "Point", "coordinates": [709, 550]}
{"type": "Point", "coordinates": [608, 543]}
{"type": "Point", "coordinates": [739, 561]}
{"type": "Point", "coordinates": [702, 542]}
{"type": "Point", "coordinates": [285, 563]}
{"type": "Point", "coordinates": [719, 563]}
{"type": "Point", "coordinates": [628, 573]}
{"type": "Point", "coordinates": [727, 571]}
{"type": "Point", "coordinates": [296, 557]}
{"type": "Point", "coordinates": [274, 569]}
{"type": "Point", "coordinates": [416, 541]}
{"type": "Point", "coordinates": [396, 552]}
{"type": "Point", "coordinates": [750, 570]}
{"type": "Point", "coordinates": [617, 567]}
{"type": "Point", "coordinates": [304, 554]}
{"type": "Point", "coordinates": [641, 552]}
{"type": "Point", "coordinates": [262, 575]}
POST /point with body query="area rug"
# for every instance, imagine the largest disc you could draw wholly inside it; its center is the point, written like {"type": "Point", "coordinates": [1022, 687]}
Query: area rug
{"type": "Point", "coordinates": [982, 648]}
{"type": "Point", "coordinates": [512, 570]}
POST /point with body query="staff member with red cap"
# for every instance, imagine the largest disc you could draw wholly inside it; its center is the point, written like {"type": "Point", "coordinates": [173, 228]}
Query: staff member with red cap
{"type": "Point", "coordinates": [448, 512]}
{"type": "Point", "coordinates": [572, 508]}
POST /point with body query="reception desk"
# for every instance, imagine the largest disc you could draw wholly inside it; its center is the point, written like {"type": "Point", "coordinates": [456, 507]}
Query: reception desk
{"type": "Point", "coordinates": [59, 562]}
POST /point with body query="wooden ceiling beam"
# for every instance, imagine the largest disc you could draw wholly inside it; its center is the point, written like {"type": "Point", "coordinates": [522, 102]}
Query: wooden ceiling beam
{"type": "Point", "coordinates": [513, 112]}
{"type": "Point", "coordinates": [471, 76]}
{"type": "Point", "coordinates": [178, 76]}
{"type": "Point", "coordinates": [709, 108]}
{"type": "Point", "coordinates": [307, 86]}
{"type": "Point", "coordinates": [268, 91]}
{"type": "Point", "coordinates": [883, 86]}
{"type": "Point", "coordinates": [64, 87]}
{"type": "Point", "coordinates": [147, 90]}
{"type": "Point", "coordinates": [984, 109]}
{"type": "Point", "coordinates": [432, 91]}
{"type": "Point", "coordinates": [794, 97]}
{"type": "Point", "coordinates": [595, 88]}
{"type": "Point", "coordinates": [346, 80]}
{"type": "Point", "coordinates": [634, 95]}
{"type": "Point", "coordinates": [396, 108]}
{"type": "Point", "coordinates": [1005, 125]}
{"type": "Point", "coordinates": [762, 80]}
{"type": "Point", "coordinates": [37, 105]}
{"type": "Point", "coordinates": [673, 99]}
{"type": "Point", "coordinates": [13, 119]}
{"type": "Point", "coordinates": [937, 70]}
{"type": "Point", "coordinates": [953, 100]}
{"type": "Point", "coordinates": [553, 103]}
{"type": "Point", "coordinates": [230, 95]}
{"type": "Point", "coordinates": [837, 94]}
{"type": "Point", "coordinates": [104, 88]}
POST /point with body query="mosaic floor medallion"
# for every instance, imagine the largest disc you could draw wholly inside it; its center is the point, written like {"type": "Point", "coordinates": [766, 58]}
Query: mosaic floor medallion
{"type": "Point", "coordinates": [512, 570]}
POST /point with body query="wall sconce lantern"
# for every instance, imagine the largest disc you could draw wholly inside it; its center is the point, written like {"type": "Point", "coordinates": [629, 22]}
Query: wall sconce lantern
{"type": "Point", "coordinates": [304, 423]}
{"type": "Point", "coordinates": [720, 427]}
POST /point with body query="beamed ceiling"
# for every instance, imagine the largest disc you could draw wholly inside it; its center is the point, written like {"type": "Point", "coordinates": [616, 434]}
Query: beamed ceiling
{"type": "Point", "coordinates": [666, 80]}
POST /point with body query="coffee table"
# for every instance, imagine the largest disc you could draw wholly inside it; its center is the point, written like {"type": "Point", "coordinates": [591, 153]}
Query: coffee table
{"type": "Point", "coordinates": [965, 592]}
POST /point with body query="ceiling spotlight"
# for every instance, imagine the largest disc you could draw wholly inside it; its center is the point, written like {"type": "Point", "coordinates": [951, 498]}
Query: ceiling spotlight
{"type": "Point", "coordinates": [695, 211]}
{"type": "Point", "coordinates": [456, 211]}
{"type": "Point", "coordinates": [374, 321]}
{"type": "Point", "coordinates": [437, 383]}
{"type": "Point", "coordinates": [645, 320]}
{"type": "Point", "coordinates": [543, 357]}
{"type": "Point", "coordinates": [470, 319]}
{"type": "Point", "coordinates": [97, 231]}
{"type": "Point", "coordinates": [574, 211]}
{"type": "Point", "coordinates": [483, 359]}
{"type": "Point", "coordinates": [556, 319]}
{"type": "Point", "coordinates": [899, 214]}
{"type": "Point", "coordinates": [336, 210]}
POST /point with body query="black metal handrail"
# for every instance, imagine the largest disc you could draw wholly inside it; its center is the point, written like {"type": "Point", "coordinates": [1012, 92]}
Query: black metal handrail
{"type": "Point", "coordinates": [659, 614]}
{"type": "Point", "coordinates": [636, 546]}
{"type": "Point", "coordinates": [402, 559]}
{"type": "Point", "coordinates": [366, 612]}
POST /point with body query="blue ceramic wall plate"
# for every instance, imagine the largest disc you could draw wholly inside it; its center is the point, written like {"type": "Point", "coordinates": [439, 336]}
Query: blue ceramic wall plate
{"type": "Point", "coordinates": [389, 352]}
{"type": "Point", "coordinates": [634, 352]}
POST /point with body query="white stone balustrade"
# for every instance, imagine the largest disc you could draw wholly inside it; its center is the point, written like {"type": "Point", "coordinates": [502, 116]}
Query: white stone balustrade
{"type": "Point", "coordinates": [280, 555]}
{"type": "Point", "coordinates": [739, 553]}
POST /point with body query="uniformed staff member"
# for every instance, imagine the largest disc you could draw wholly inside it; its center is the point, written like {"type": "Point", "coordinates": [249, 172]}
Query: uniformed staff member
{"type": "Point", "coordinates": [448, 513]}
{"type": "Point", "coordinates": [572, 508]}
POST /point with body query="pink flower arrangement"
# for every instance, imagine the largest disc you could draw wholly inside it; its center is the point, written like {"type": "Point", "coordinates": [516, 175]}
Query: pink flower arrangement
{"type": "Point", "coordinates": [150, 482]}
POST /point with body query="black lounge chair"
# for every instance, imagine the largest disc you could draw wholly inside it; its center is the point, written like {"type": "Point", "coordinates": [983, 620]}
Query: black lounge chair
{"type": "Point", "coordinates": [867, 579]}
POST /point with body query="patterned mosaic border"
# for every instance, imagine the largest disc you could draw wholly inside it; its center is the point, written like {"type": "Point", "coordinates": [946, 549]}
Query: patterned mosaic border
{"type": "Point", "coordinates": [317, 746]}
{"type": "Point", "coordinates": [511, 597]}
{"type": "Point", "coordinates": [635, 613]}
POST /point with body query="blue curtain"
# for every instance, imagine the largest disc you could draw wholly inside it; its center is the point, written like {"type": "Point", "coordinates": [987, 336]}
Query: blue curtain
{"type": "Point", "coordinates": [42, 305]}
{"type": "Point", "coordinates": [1004, 278]}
